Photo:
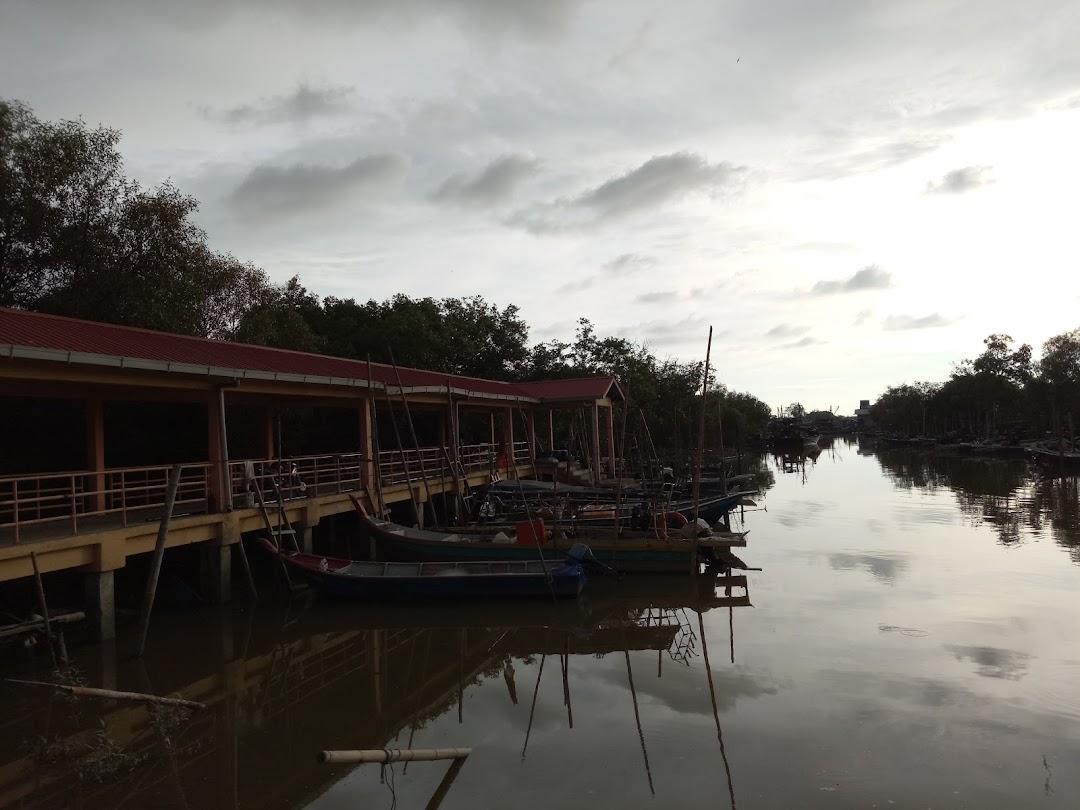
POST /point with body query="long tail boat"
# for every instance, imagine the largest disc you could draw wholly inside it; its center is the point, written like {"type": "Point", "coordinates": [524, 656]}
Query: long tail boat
{"type": "Point", "coordinates": [641, 554]}
{"type": "Point", "coordinates": [356, 579]}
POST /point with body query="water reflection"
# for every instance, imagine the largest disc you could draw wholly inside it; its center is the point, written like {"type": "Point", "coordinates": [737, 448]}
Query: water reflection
{"type": "Point", "coordinates": [284, 682]}
{"type": "Point", "coordinates": [993, 662]}
{"type": "Point", "coordinates": [1014, 498]}
{"type": "Point", "coordinates": [884, 567]}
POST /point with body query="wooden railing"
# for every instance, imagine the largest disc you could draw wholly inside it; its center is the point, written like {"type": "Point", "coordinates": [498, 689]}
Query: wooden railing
{"type": "Point", "coordinates": [72, 502]}
{"type": "Point", "coordinates": [63, 500]}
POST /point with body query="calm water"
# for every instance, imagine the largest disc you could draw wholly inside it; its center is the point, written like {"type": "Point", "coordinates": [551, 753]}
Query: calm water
{"type": "Point", "coordinates": [913, 642]}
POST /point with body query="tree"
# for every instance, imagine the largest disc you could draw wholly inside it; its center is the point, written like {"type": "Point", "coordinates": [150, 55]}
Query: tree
{"type": "Point", "coordinates": [79, 239]}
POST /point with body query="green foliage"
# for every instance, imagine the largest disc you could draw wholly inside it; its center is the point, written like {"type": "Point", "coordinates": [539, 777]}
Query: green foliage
{"type": "Point", "coordinates": [1001, 390]}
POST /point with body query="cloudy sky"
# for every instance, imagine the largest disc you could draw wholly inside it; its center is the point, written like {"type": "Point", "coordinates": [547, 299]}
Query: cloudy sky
{"type": "Point", "coordinates": [852, 192]}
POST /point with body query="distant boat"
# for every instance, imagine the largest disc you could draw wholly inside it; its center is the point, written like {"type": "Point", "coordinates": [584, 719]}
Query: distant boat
{"type": "Point", "coordinates": [353, 579]}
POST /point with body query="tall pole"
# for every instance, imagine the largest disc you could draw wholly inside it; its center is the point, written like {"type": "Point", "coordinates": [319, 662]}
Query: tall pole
{"type": "Point", "coordinates": [412, 430]}
{"type": "Point", "coordinates": [699, 451]}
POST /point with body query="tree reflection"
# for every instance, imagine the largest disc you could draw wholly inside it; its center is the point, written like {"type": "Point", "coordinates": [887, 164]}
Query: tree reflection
{"type": "Point", "coordinates": [1009, 495]}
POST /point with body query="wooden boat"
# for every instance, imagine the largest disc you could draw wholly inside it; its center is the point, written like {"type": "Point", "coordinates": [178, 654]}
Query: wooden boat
{"type": "Point", "coordinates": [355, 579]}
{"type": "Point", "coordinates": [668, 555]}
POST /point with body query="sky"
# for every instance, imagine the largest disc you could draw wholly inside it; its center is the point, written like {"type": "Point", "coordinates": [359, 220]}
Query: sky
{"type": "Point", "coordinates": [851, 193]}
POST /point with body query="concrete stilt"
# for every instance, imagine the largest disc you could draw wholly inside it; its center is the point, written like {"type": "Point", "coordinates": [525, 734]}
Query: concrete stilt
{"type": "Point", "coordinates": [215, 569]}
{"type": "Point", "coordinates": [101, 604]}
{"type": "Point", "coordinates": [306, 538]}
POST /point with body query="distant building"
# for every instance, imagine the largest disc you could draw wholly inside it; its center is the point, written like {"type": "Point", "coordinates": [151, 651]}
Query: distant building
{"type": "Point", "coordinates": [862, 414]}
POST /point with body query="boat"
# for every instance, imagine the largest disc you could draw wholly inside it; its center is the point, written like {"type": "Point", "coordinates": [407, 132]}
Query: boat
{"type": "Point", "coordinates": [359, 579]}
{"type": "Point", "coordinates": [638, 554]}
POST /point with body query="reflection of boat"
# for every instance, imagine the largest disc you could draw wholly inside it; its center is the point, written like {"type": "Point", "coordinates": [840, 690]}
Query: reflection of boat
{"type": "Point", "coordinates": [627, 554]}
{"type": "Point", "coordinates": [1055, 457]}
{"type": "Point", "coordinates": [352, 579]}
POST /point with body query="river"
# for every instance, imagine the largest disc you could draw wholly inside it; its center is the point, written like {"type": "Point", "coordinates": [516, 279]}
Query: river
{"type": "Point", "coordinates": [913, 641]}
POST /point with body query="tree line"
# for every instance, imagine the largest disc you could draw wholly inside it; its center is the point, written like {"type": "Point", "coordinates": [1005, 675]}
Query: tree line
{"type": "Point", "coordinates": [79, 238]}
{"type": "Point", "coordinates": [1004, 392]}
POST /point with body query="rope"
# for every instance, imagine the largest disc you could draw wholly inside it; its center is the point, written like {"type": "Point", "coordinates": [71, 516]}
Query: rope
{"type": "Point", "coordinates": [388, 766]}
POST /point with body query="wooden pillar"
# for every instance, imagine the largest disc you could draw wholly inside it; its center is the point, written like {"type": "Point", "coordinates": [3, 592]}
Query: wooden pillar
{"type": "Point", "coordinates": [367, 446]}
{"type": "Point", "coordinates": [611, 438]}
{"type": "Point", "coordinates": [492, 418]}
{"type": "Point", "coordinates": [95, 452]}
{"type": "Point", "coordinates": [596, 441]}
{"type": "Point", "coordinates": [269, 447]}
{"type": "Point", "coordinates": [216, 493]}
{"type": "Point", "coordinates": [551, 429]}
{"type": "Point", "coordinates": [508, 437]}
{"type": "Point", "coordinates": [531, 437]}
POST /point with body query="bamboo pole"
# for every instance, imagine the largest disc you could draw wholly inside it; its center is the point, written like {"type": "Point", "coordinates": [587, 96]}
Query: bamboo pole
{"type": "Point", "coordinates": [385, 756]}
{"type": "Point", "coordinates": [412, 431]}
{"type": "Point", "coordinates": [404, 460]}
{"type": "Point", "coordinates": [12, 630]}
{"type": "Point", "coordinates": [247, 568]}
{"type": "Point", "coordinates": [699, 451]}
{"type": "Point", "coordinates": [155, 565]}
{"type": "Point", "coordinates": [376, 449]}
{"type": "Point", "coordinates": [111, 694]}
{"type": "Point", "coordinates": [622, 449]}
{"type": "Point", "coordinates": [637, 714]}
{"type": "Point", "coordinates": [43, 607]}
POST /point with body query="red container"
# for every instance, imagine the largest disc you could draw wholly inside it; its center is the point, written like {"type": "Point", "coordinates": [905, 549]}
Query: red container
{"type": "Point", "coordinates": [531, 533]}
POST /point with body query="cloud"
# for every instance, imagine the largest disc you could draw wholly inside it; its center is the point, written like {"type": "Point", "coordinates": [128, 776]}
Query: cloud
{"type": "Point", "coordinates": [802, 343]}
{"type": "Point", "coordinates": [656, 297]}
{"type": "Point", "coordinates": [959, 181]}
{"type": "Point", "coordinates": [274, 190]}
{"type": "Point", "coordinates": [304, 103]}
{"type": "Point", "coordinates": [870, 277]}
{"type": "Point", "coordinates": [896, 323]}
{"type": "Point", "coordinates": [494, 183]}
{"type": "Point", "coordinates": [786, 330]}
{"type": "Point", "coordinates": [863, 316]}
{"type": "Point", "coordinates": [627, 263]}
{"type": "Point", "coordinates": [659, 180]}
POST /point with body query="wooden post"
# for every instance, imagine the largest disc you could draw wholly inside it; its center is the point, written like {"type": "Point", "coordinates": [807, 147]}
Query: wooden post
{"type": "Point", "coordinates": [404, 461]}
{"type": "Point", "coordinates": [595, 439]}
{"type": "Point", "coordinates": [110, 694]}
{"type": "Point", "coordinates": [699, 451]}
{"type": "Point", "coordinates": [155, 565]}
{"type": "Point", "coordinates": [412, 430]}
{"type": "Point", "coordinates": [43, 607]}
{"type": "Point", "coordinates": [551, 428]}
{"type": "Point", "coordinates": [226, 474]}
{"type": "Point", "coordinates": [95, 452]}
{"type": "Point", "coordinates": [611, 437]}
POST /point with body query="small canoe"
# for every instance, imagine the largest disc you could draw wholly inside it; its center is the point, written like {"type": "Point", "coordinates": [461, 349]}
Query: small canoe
{"type": "Point", "coordinates": [358, 579]}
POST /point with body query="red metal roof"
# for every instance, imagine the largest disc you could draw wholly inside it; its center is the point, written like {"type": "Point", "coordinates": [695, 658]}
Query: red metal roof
{"type": "Point", "coordinates": [576, 388]}
{"type": "Point", "coordinates": [52, 332]}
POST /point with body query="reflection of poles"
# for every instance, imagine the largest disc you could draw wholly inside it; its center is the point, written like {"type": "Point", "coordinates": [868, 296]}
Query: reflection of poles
{"type": "Point", "coordinates": [637, 719]}
{"type": "Point", "coordinates": [566, 683]}
{"type": "Point", "coordinates": [716, 714]}
{"type": "Point", "coordinates": [386, 756]}
{"type": "Point", "coordinates": [461, 677]}
{"type": "Point", "coordinates": [731, 630]}
{"type": "Point", "coordinates": [532, 711]}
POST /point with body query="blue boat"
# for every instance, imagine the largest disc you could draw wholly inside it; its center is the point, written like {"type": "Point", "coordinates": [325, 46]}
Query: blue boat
{"type": "Point", "coordinates": [503, 579]}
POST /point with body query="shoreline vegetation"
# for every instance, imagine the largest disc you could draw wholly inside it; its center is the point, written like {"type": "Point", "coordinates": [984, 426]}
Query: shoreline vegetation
{"type": "Point", "coordinates": [79, 239]}
{"type": "Point", "coordinates": [1003, 398]}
